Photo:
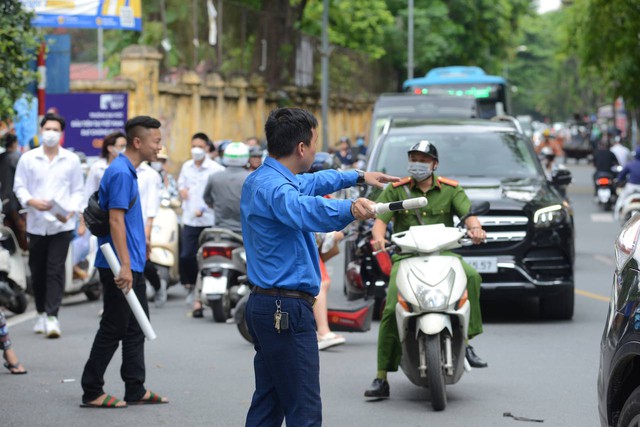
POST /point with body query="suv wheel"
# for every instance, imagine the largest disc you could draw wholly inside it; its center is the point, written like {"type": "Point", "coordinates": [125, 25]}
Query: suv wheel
{"type": "Point", "coordinates": [558, 306]}
{"type": "Point", "coordinates": [630, 415]}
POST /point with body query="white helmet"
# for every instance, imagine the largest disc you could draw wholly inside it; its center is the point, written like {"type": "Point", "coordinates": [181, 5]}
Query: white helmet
{"type": "Point", "coordinates": [236, 154]}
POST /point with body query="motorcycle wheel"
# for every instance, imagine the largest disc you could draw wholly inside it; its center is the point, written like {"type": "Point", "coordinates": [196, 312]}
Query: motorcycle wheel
{"type": "Point", "coordinates": [221, 308]}
{"type": "Point", "coordinates": [243, 328]}
{"type": "Point", "coordinates": [18, 303]}
{"type": "Point", "coordinates": [435, 373]}
{"type": "Point", "coordinates": [93, 293]}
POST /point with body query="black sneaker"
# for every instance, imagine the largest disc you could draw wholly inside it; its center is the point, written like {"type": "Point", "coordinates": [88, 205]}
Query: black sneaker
{"type": "Point", "coordinates": [473, 359]}
{"type": "Point", "coordinates": [379, 389]}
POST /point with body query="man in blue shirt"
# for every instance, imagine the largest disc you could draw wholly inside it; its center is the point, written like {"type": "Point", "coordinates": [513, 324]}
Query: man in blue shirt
{"type": "Point", "coordinates": [281, 208]}
{"type": "Point", "coordinates": [119, 195]}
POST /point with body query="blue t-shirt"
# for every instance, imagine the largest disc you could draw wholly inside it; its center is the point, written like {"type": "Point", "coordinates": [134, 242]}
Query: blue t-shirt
{"type": "Point", "coordinates": [118, 187]}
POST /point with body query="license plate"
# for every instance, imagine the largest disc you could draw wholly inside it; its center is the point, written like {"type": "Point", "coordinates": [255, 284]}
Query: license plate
{"type": "Point", "coordinates": [483, 264]}
{"type": "Point", "coordinates": [604, 194]}
{"type": "Point", "coordinates": [214, 285]}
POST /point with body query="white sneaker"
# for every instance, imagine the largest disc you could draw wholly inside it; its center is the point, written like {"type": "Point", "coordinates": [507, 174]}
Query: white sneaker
{"type": "Point", "coordinates": [53, 327]}
{"type": "Point", "coordinates": [41, 320]}
{"type": "Point", "coordinates": [330, 340]}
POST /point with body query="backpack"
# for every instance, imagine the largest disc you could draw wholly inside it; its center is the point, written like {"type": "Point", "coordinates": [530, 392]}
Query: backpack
{"type": "Point", "coordinates": [97, 219]}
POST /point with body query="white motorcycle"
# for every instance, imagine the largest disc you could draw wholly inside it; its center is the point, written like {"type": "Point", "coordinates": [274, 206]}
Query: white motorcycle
{"type": "Point", "coordinates": [89, 282]}
{"type": "Point", "coordinates": [628, 206]}
{"type": "Point", "coordinates": [165, 241]}
{"type": "Point", "coordinates": [433, 311]}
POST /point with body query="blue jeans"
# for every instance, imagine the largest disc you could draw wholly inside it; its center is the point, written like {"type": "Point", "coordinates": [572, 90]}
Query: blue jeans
{"type": "Point", "coordinates": [287, 364]}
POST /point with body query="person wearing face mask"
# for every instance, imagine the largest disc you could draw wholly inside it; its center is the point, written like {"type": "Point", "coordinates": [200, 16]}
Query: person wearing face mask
{"type": "Point", "coordinates": [48, 183]}
{"type": "Point", "coordinates": [196, 215]}
{"type": "Point", "coordinates": [112, 145]}
{"type": "Point", "coordinates": [445, 199]}
{"type": "Point", "coordinates": [168, 183]}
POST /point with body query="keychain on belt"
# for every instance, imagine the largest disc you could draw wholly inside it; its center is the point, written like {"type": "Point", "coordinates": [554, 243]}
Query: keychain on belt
{"type": "Point", "coordinates": [280, 318]}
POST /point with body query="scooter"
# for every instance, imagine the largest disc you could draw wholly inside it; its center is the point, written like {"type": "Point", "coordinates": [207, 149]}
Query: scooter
{"type": "Point", "coordinates": [433, 311]}
{"type": "Point", "coordinates": [165, 236]}
{"type": "Point", "coordinates": [629, 207]}
{"type": "Point", "coordinates": [220, 272]}
{"type": "Point", "coordinates": [13, 275]}
{"type": "Point", "coordinates": [605, 185]}
{"type": "Point", "coordinates": [89, 282]}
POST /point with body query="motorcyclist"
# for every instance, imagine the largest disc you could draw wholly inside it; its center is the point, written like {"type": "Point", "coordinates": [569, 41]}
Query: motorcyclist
{"type": "Point", "coordinates": [445, 198]}
{"type": "Point", "coordinates": [604, 161]}
{"type": "Point", "coordinates": [550, 141]}
{"type": "Point", "coordinates": [255, 157]}
{"type": "Point", "coordinates": [632, 171]}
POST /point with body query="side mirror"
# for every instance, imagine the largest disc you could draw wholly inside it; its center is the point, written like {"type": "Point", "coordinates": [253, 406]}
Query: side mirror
{"type": "Point", "coordinates": [561, 178]}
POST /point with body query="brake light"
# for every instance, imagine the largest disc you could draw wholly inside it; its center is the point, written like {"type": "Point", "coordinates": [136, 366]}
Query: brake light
{"type": "Point", "coordinates": [223, 251]}
{"type": "Point", "coordinates": [604, 181]}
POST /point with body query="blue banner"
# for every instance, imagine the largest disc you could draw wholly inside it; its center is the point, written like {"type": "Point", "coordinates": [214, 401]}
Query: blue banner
{"type": "Point", "coordinates": [107, 14]}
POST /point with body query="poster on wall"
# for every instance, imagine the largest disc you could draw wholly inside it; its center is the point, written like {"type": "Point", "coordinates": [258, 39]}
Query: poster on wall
{"type": "Point", "coordinates": [108, 14]}
{"type": "Point", "coordinates": [90, 117]}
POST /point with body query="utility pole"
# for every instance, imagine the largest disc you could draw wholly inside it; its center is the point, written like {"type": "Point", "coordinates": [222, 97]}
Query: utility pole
{"type": "Point", "coordinates": [410, 42]}
{"type": "Point", "coordinates": [325, 75]}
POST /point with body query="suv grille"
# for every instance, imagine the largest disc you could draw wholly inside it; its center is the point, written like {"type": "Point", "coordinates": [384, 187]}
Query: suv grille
{"type": "Point", "coordinates": [547, 263]}
{"type": "Point", "coordinates": [504, 229]}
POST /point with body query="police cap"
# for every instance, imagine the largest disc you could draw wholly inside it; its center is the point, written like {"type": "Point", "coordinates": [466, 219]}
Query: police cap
{"type": "Point", "coordinates": [425, 147]}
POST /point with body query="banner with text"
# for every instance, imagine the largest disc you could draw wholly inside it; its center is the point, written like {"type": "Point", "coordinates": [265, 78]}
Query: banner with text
{"type": "Point", "coordinates": [90, 117]}
{"type": "Point", "coordinates": [108, 14]}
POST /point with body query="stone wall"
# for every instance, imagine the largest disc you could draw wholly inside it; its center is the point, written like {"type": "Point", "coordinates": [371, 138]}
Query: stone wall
{"type": "Point", "coordinates": [234, 109]}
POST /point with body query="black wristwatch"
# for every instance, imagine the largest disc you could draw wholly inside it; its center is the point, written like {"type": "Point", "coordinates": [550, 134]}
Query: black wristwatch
{"type": "Point", "coordinates": [360, 179]}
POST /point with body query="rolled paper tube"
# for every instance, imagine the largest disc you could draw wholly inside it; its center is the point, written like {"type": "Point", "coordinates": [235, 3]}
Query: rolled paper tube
{"type": "Point", "coordinates": [131, 297]}
{"type": "Point", "coordinates": [415, 203]}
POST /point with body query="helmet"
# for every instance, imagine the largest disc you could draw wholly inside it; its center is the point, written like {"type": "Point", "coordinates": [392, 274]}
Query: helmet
{"type": "Point", "coordinates": [235, 154]}
{"type": "Point", "coordinates": [162, 154]}
{"type": "Point", "coordinates": [546, 132]}
{"type": "Point", "coordinates": [323, 161]}
{"type": "Point", "coordinates": [256, 152]}
{"type": "Point", "coordinates": [425, 147]}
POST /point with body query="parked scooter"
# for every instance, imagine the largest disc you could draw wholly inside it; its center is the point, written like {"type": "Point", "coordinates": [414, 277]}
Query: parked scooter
{"type": "Point", "coordinates": [629, 206]}
{"type": "Point", "coordinates": [13, 275]}
{"type": "Point", "coordinates": [433, 310]}
{"type": "Point", "coordinates": [165, 236]}
{"type": "Point", "coordinates": [220, 272]}
{"type": "Point", "coordinates": [89, 282]}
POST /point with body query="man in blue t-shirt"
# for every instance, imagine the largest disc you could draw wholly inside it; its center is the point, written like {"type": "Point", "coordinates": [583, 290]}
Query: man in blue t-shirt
{"type": "Point", "coordinates": [119, 195]}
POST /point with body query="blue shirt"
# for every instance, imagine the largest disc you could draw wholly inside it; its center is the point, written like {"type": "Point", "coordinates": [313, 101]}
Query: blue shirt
{"type": "Point", "coordinates": [633, 170]}
{"type": "Point", "coordinates": [118, 187]}
{"type": "Point", "coordinates": [280, 212]}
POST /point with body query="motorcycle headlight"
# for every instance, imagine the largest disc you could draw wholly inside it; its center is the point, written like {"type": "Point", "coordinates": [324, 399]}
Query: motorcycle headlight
{"type": "Point", "coordinates": [431, 299]}
{"type": "Point", "coordinates": [551, 215]}
{"type": "Point", "coordinates": [626, 242]}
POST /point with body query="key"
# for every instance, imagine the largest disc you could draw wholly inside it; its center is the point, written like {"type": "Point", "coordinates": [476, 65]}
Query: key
{"type": "Point", "coordinates": [276, 320]}
{"type": "Point", "coordinates": [284, 321]}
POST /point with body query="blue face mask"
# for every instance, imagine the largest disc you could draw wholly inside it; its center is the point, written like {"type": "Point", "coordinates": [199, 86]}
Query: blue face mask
{"type": "Point", "coordinates": [360, 142]}
{"type": "Point", "coordinates": [420, 171]}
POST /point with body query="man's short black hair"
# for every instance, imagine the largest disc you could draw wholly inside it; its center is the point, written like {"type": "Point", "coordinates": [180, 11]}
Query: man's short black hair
{"type": "Point", "coordinates": [286, 128]}
{"type": "Point", "coordinates": [201, 135]}
{"type": "Point", "coordinates": [134, 127]}
{"type": "Point", "coordinates": [53, 117]}
{"type": "Point", "coordinates": [9, 140]}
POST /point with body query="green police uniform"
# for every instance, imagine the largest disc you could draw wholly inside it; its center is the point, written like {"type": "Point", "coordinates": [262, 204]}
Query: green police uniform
{"type": "Point", "coordinates": [445, 198]}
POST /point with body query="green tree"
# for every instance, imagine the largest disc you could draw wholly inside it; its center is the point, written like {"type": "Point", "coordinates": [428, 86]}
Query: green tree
{"type": "Point", "coordinates": [18, 42]}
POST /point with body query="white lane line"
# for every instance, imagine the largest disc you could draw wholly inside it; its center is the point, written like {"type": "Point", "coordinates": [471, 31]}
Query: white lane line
{"type": "Point", "coordinates": [602, 217]}
{"type": "Point", "coordinates": [605, 260]}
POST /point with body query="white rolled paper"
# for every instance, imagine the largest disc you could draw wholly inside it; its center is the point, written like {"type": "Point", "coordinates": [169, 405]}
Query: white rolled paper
{"type": "Point", "coordinates": [415, 203]}
{"type": "Point", "coordinates": [131, 297]}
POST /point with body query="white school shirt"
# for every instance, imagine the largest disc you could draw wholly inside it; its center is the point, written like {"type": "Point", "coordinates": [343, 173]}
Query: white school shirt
{"type": "Point", "coordinates": [195, 179]}
{"type": "Point", "coordinates": [60, 180]}
{"type": "Point", "coordinates": [148, 186]}
{"type": "Point", "coordinates": [93, 179]}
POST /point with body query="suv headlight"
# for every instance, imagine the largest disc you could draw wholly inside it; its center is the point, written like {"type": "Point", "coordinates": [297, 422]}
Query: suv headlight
{"type": "Point", "coordinates": [551, 215]}
{"type": "Point", "coordinates": [627, 241]}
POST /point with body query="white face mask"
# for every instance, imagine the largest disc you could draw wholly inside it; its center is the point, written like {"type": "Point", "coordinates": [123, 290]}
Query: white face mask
{"type": "Point", "coordinates": [156, 165]}
{"type": "Point", "coordinates": [420, 171]}
{"type": "Point", "coordinates": [51, 138]}
{"type": "Point", "coordinates": [197, 153]}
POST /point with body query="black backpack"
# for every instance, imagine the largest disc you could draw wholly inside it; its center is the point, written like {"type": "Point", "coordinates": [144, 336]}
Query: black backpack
{"type": "Point", "coordinates": [97, 219]}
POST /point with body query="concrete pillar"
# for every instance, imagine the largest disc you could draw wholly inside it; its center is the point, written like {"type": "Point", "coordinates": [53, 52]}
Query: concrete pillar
{"type": "Point", "coordinates": [141, 64]}
{"type": "Point", "coordinates": [192, 80]}
{"type": "Point", "coordinates": [241, 85]}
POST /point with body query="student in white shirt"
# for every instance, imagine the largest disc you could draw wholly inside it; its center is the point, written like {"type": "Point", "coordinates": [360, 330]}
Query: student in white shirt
{"type": "Point", "coordinates": [49, 183]}
{"type": "Point", "coordinates": [196, 215]}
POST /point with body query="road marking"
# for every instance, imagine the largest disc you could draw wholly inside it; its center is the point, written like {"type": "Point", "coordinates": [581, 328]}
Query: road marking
{"type": "Point", "coordinates": [602, 217]}
{"type": "Point", "coordinates": [592, 296]}
{"type": "Point", "coordinates": [21, 318]}
{"type": "Point", "coordinates": [605, 260]}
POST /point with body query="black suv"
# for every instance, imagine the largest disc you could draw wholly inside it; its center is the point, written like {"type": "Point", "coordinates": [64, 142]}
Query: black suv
{"type": "Point", "coordinates": [530, 233]}
{"type": "Point", "coordinates": [619, 374]}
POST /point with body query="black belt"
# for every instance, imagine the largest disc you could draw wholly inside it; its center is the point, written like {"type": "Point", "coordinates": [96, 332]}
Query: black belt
{"type": "Point", "coordinates": [286, 293]}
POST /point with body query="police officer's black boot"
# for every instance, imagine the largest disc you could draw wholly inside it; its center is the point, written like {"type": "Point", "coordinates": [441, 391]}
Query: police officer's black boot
{"type": "Point", "coordinates": [473, 359]}
{"type": "Point", "coordinates": [379, 389]}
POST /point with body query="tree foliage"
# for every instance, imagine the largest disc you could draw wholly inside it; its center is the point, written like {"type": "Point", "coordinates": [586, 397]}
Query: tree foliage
{"type": "Point", "coordinates": [18, 42]}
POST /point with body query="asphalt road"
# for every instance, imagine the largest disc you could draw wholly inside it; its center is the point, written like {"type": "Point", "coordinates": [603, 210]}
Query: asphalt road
{"type": "Point", "coordinates": [537, 369]}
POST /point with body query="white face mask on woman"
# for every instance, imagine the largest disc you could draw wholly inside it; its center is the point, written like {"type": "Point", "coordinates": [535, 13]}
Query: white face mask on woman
{"type": "Point", "coordinates": [51, 138]}
{"type": "Point", "coordinates": [156, 166]}
{"type": "Point", "coordinates": [197, 153]}
{"type": "Point", "coordinates": [420, 171]}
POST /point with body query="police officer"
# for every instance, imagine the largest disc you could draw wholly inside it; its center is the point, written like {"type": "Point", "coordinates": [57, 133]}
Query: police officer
{"type": "Point", "coordinates": [280, 210]}
{"type": "Point", "coordinates": [445, 198]}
